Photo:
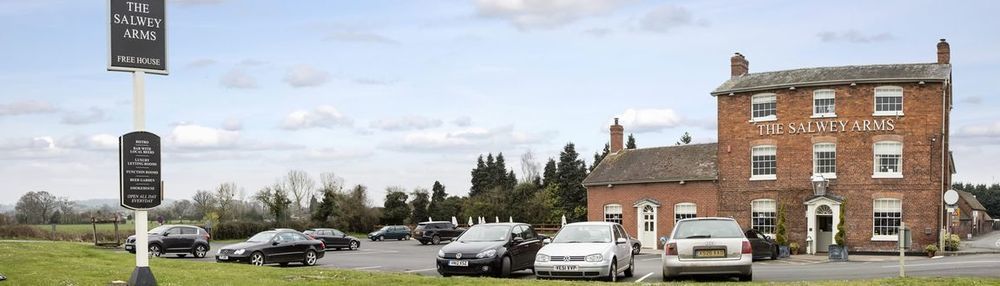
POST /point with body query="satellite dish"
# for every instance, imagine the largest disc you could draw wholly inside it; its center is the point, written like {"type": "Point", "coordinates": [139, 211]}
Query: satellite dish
{"type": "Point", "coordinates": [951, 197]}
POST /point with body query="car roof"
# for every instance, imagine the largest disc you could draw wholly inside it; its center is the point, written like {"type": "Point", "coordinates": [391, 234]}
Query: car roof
{"type": "Point", "coordinates": [430, 222]}
{"type": "Point", "coordinates": [502, 223]}
{"type": "Point", "coordinates": [707, 218]}
{"type": "Point", "coordinates": [593, 223]}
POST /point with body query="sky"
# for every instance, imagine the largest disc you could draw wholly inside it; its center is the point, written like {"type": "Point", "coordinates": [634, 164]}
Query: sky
{"type": "Point", "coordinates": [405, 93]}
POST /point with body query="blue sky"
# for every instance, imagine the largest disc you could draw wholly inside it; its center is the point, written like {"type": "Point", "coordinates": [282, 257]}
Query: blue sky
{"type": "Point", "coordinates": [404, 93]}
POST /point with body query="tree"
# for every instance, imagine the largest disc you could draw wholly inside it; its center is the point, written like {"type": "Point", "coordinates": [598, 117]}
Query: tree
{"type": "Point", "coordinates": [395, 210]}
{"type": "Point", "coordinates": [204, 203]}
{"type": "Point", "coordinates": [330, 181]}
{"type": "Point", "coordinates": [841, 231]}
{"type": "Point", "coordinates": [631, 142]}
{"type": "Point", "coordinates": [685, 139]}
{"type": "Point", "coordinates": [419, 205]}
{"type": "Point", "coordinates": [781, 233]}
{"type": "Point", "coordinates": [36, 207]}
{"type": "Point", "coordinates": [328, 207]}
{"type": "Point", "coordinates": [225, 197]}
{"type": "Point", "coordinates": [181, 209]}
{"type": "Point", "coordinates": [549, 174]}
{"type": "Point", "coordinates": [572, 196]}
{"type": "Point", "coordinates": [358, 215]}
{"type": "Point", "coordinates": [275, 199]}
{"type": "Point", "coordinates": [438, 196]}
{"type": "Point", "coordinates": [300, 185]}
{"type": "Point", "coordinates": [598, 157]}
{"type": "Point", "coordinates": [479, 178]}
{"type": "Point", "coordinates": [529, 168]}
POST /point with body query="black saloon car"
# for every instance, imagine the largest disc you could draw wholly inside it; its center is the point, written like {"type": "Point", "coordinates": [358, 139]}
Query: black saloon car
{"type": "Point", "coordinates": [334, 238]}
{"type": "Point", "coordinates": [434, 232]}
{"type": "Point", "coordinates": [274, 246]}
{"type": "Point", "coordinates": [179, 239]}
{"type": "Point", "coordinates": [397, 232]}
{"type": "Point", "coordinates": [490, 249]}
{"type": "Point", "coordinates": [763, 246]}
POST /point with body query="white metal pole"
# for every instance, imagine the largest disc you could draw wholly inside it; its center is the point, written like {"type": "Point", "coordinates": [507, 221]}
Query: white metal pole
{"type": "Point", "coordinates": [139, 124]}
{"type": "Point", "coordinates": [902, 242]}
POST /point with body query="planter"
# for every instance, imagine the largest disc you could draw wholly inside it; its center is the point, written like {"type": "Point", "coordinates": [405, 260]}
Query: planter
{"type": "Point", "coordinates": [784, 251]}
{"type": "Point", "coordinates": [838, 252]}
{"type": "Point", "coordinates": [930, 254]}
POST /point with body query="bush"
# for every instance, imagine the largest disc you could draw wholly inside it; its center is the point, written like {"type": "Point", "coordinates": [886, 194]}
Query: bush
{"type": "Point", "coordinates": [930, 248]}
{"type": "Point", "coordinates": [952, 242]}
{"type": "Point", "coordinates": [841, 230]}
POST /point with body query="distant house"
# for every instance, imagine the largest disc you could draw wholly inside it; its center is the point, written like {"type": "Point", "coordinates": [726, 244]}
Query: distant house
{"type": "Point", "coordinates": [972, 217]}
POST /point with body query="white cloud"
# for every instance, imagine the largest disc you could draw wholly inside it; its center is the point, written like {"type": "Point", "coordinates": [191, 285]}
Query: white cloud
{"type": "Point", "coordinates": [191, 136]}
{"type": "Point", "coordinates": [103, 141]}
{"type": "Point", "coordinates": [232, 124]}
{"type": "Point", "coordinates": [306, 76]}
{"type": "Point", "coordinates": [984, 130]}
{"type": "Point", "coordinates": [30, 148]}
{"type": "Point", "coordinates": [648, 120]}
{"type": "Point", "coordinates": [463, 121]}
{"type": "Point", "coordinates": [667, 17]}
{"type": "Point", "coordinates": [412, 122]}
{"type": "Point", "coordinates": [853, 36]}
{"type": "Point", "coordinates": [26, 107]}
{"type": "Point", "coordinates": [92, 115]}
{"type": "Point", "coordinates": [237, 78]}
{"type": "Point", "coordinates": [359, 36]}
{"type": "Point", "coordinates": [467, 139]}
{"type": "Point", "coordinates": [333, 154]}
{"type": "Point", "coordinates": [532, 14]}
{"type": "Point", "coordinates": [324, 116]}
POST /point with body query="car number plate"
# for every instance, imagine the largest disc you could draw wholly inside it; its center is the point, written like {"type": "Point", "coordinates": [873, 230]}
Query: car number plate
{"type": "Point", "coordinates": [458, 263]}
{"type": "Point", "coordinates": [223, 257]}
{"type": "Point", "coordinates": [566, 268]}
{"type": "Point", "coordinates": [128, 247]}
{"type": "Point", "coordinates": [711, 253]}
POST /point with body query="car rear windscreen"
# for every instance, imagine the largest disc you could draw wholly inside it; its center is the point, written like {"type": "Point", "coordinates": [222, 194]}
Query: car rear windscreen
{"type": "Point", "coordinates": [707, 229]}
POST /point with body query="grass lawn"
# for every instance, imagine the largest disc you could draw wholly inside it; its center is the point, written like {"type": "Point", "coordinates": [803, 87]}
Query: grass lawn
{"type": "Point", "coordinates": [67, 263]}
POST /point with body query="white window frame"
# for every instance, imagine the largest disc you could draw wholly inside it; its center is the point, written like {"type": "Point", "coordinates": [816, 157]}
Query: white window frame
{"type": "Point", "coordinates": [887, 205]}
{"type": "Point", "coordinates": [763, 148]}
{"type": "Point", "coordinates": [825, 146]}
{"type": "Point", "coordinates": [761, 97]}
{"type": "Point", "coordinates": [823, 94]}
{"type": "Point", "coordinates": [887, 91]}
{"type": "Point", "coordinates": [612, 207]}
{"type": "Point", "coordinates": [764, 206]}
{"type": "Point", "coordinates": [685, 210]}
{"type": "Point", "coordinates": [878, 148]}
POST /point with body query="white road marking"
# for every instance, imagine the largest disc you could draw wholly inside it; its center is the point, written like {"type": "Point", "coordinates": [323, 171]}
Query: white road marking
{"type": "Point", "coordinates": [369, 267]}
{"type": "Point", "coordinates": [943, 263]}
{"type": "Point", "coordinates": [420, 270]}
{"type": "Point", "coordinates": [644, 277]}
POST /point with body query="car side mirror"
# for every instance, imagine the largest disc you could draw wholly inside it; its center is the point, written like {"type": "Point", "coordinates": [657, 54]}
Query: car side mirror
{"type": "Point", "coordinates": [274, 243]}
{"type": "Point", "coordinates": [621, 240]}
{"type": "Point", "coordinates": [546, 241]}
{"type": "Point", "coordinates": [343, 235]}
{"type": "Point", "coordinates": [663, 240]}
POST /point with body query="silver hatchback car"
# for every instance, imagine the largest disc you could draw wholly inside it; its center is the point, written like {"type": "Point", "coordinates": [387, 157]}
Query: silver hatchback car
{"type": "Point", "coordinates": [586, 250]}
{"type": "Point", "coordinates": [707, 246]}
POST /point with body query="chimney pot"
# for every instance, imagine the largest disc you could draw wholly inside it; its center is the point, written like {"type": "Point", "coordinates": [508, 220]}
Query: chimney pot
{"type": "Point", "coordinates": [617, 139]}
{"type": "Point", "coordinates": [943, 52]}
{"type": "Point", "coordinates": [738, 65]}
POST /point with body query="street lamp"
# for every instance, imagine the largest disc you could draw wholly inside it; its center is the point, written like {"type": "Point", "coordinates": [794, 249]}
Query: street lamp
{"type": "Point", "coordinates": [819, 185]}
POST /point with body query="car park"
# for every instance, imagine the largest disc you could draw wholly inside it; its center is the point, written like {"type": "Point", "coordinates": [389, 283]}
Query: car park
{"type": "Point", "coordinates": [274, 246]}
{"type": "Point", "coordinates": [397, 232]}
{"type": "Point", "coordinates": [763, 246]}
{"type": "Point", "coordinates": [490, 249]}
{"type": "Point", "coordinates": [707, 246]}
{"type": "Point", "coordinates": [433, 232]}
{"type": "Point", "coordinates": [334, 238]}
{"type": "Point", "coordinates": [586, 250]}
{"type": "Point", "coordinates": [179, 239]}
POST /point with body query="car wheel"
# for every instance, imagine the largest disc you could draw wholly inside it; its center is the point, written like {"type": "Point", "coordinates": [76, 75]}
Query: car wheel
{"type": "Point", "coordinates": [635, 249]}
{"type": "Point", "coordinates": [748, 277]}
{"type": "Point", "coordinates": [407, 237]}
{"type": "Point", "coordinates": [257, 259]}
{"type": "Point", "coordinates": [354, 245]}
{"type": "Point", "coordinates": [631, 266]}
{"type": "Point", "coordinates": [310, 258]}
{"type": "Point", "coordinates": [436, 240]}
{"type": "Point", "coordinates": [154, 250]}
{"type": "Point", "coordinates": [613, 271]}
{"type": "Point", "coordinates": [200, 251]}
{"type": "Point", "coordinates": [381, 238]}
{"type": "Point", "coordinates": [504, 267]}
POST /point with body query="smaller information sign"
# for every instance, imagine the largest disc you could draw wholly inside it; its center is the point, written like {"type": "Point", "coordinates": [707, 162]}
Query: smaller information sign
{"type": "Point", "coordinates": [139, 153]}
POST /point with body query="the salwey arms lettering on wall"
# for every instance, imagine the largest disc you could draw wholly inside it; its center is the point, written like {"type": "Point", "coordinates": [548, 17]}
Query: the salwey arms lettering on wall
{"type": "Point", "coordinates": [138, 35]}
{"type": "Point", "coordinates": [826, 126]}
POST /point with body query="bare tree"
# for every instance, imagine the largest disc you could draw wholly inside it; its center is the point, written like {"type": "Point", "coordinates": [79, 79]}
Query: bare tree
{"type": "Point", "coordinates": [330, 181]}
{"type": "Point", "coordinates": [529, 168]}
{"type": "Point", "coordinates": [275, 200]}
{"type": "Point", "coordinates": [204, 202]}
{"type": "Point", "coordinates": [181, 209]}
{"type": "Point", "coordinates": [300, 185]}
{"type": "Point", "coordinates": [225, 196]}
{"type": "Point", "coordinates": [36, 207]}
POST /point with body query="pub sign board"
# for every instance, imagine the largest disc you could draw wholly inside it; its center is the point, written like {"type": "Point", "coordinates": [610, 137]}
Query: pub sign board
{"type": "Point", "coordinates": [137, 36]}
{"type": "Point", "coordinates": [139, 155]}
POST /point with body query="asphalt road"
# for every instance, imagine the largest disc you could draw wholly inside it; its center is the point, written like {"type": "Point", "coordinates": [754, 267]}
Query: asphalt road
{"type": "Point", "coordinates": [412, 257]}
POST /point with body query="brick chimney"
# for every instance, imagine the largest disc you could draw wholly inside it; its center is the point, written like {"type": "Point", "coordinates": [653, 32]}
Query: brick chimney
{"type": "Point", "coordinates": [944, 52]}
{"type": "Point", "coordinates": [739, 65]}
{"type": "Point", "coordinates": [617, 141]}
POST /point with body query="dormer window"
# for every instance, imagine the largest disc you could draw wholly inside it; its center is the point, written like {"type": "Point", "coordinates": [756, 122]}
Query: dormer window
{"type": "Point", "coordinates": [764, 107]}
{"type": "Point", "coordinates": [824, 103]}
{"type": "Point", "coordinates": [888, 101]}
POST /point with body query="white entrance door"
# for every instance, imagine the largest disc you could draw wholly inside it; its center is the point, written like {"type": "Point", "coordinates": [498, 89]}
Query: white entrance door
{"type": "Point", "coordinates": [647, 226]}
{"type": "Point", "coordinates": [824, 228]}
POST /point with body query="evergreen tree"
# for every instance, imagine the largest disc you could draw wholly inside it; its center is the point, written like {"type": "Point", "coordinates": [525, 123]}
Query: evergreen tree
{"type": "Point", "coordinates": [419, 205]}
{"type": "Point", "coordinates": [631, 142]}
{"type": "Point", "coordinates": [490, 177]}
{"type": "Point", "coordinates": [685, 139]}
{"type": "Point", "coordinates": [478, 178]}
{"type": "Point", "coordinates": [598, 157]}
{"type": "Point", "coordinates": [572, 196]}
{"type": "Point", "coordinates": [500, 171]}
{"type": "Point", "coordinates": [327, 208]}
{"type": "Point", "coordinates": [549, 173]}
{"type": "Point", "coordinates": [395, 209]}
{"type": "Point", "coordinates": [780, 235]}
{"type": "Point", "coordinates": [841, 231]}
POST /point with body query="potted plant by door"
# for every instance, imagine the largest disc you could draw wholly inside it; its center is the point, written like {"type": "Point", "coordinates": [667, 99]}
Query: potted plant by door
{"type": "Point", "coordinates": [930, 249]}
{"type": "Point", "coordinates": [780, 236]}
{"type": "Point", "coordinates": [838, 252]}
{"type": "Point", "coordinates": [794, 248]}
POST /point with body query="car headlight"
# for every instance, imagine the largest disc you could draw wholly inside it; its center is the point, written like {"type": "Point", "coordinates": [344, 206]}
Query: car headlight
{"type": "Point", "coordinates": [595, 258]}
{"type": "Point", "coordinates": [541, 258]}
{"type": "Point", "coordinates": [239, 251]}
{"type": "Point", "coordinates": [487, 253]}
{"type": "Point", "coordinates": [441, 253]}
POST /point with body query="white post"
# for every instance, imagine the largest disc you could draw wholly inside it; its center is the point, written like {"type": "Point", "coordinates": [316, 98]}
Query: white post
{"type": "Point", "coordinates": [139, 124]}
{"type": "Point", "coordinates": [901, 240]}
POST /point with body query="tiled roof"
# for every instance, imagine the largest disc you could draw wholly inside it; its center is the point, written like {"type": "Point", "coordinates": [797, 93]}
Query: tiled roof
{"type": "Point", "coordinates": [695, 162]}
{"type": "Point", "coordinates": [835, 75]}
{"type": "Point", "coordinates": [970, 199]}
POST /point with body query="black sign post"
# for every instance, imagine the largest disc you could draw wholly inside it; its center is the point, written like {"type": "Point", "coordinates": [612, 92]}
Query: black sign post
{"type": "Point", "coordinates": [137, 36]}
{"type": "Point", "coordinates": [140, 170]}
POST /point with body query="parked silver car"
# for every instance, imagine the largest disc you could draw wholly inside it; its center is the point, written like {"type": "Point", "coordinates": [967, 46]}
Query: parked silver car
{"type": "Point", "coordinates": [586, 250]}
{"type": "Point", "coordinates": [700, 246]}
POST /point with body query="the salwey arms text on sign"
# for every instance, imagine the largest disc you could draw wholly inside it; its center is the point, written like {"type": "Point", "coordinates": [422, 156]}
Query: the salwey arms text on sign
{"type": "Point", "coordinates": [826, 126]}
{"type": "Point", "coordinates": [138, 34]}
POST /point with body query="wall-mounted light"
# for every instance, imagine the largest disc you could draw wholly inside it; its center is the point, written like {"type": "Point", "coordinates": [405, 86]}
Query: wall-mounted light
{"type": "Point", "coordinates": [921, 82]}
{"type": "Point", "coordinates": [791, 88]}
{"type": "Point", "coordinates": [681, 182]}
{"type": "Point", "coordinates": [854, 84]}
{"type": "Point", "coordinates": [610, 186]}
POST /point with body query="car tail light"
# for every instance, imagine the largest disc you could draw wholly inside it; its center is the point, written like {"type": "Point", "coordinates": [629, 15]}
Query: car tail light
{"type": "Point", "coordinates": [746, 247]}
{"type": "Point", "coordinates": [322, 245]}
{"type": "Point", "coordinates": [208, 237]}
{"type": "Point", "coordinates": [671, 249]}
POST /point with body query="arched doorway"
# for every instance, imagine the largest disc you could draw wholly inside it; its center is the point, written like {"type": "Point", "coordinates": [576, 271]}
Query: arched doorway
{"type": "Point", "coordinates": [647, 226]}
{"type": "Point", "coordinates": [824, 228]}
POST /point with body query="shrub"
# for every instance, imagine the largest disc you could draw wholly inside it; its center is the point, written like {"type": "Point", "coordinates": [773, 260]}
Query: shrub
{"type": "Point", "coordinates": [841, 231]}
{"type": "Point", "coordinates": [930, 248]}
{"type": "Point", "coordinates": [780, 235]}
{"type": "Point", "coordinates": [794, 247]}
{"type": "Point", "coordinates": [952, 242]}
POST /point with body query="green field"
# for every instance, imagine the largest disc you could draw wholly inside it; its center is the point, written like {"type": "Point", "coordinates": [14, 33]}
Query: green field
{"type": "Point", "coordinates": [67, 263]}
{"type": "Point", "coordinates": [126, 229]}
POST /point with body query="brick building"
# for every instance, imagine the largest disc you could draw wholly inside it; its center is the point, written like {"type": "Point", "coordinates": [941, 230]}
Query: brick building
{"type": "Point", "coordinates": [970, 218]}
{"type": "Point", "coordinates": [871, 139]}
